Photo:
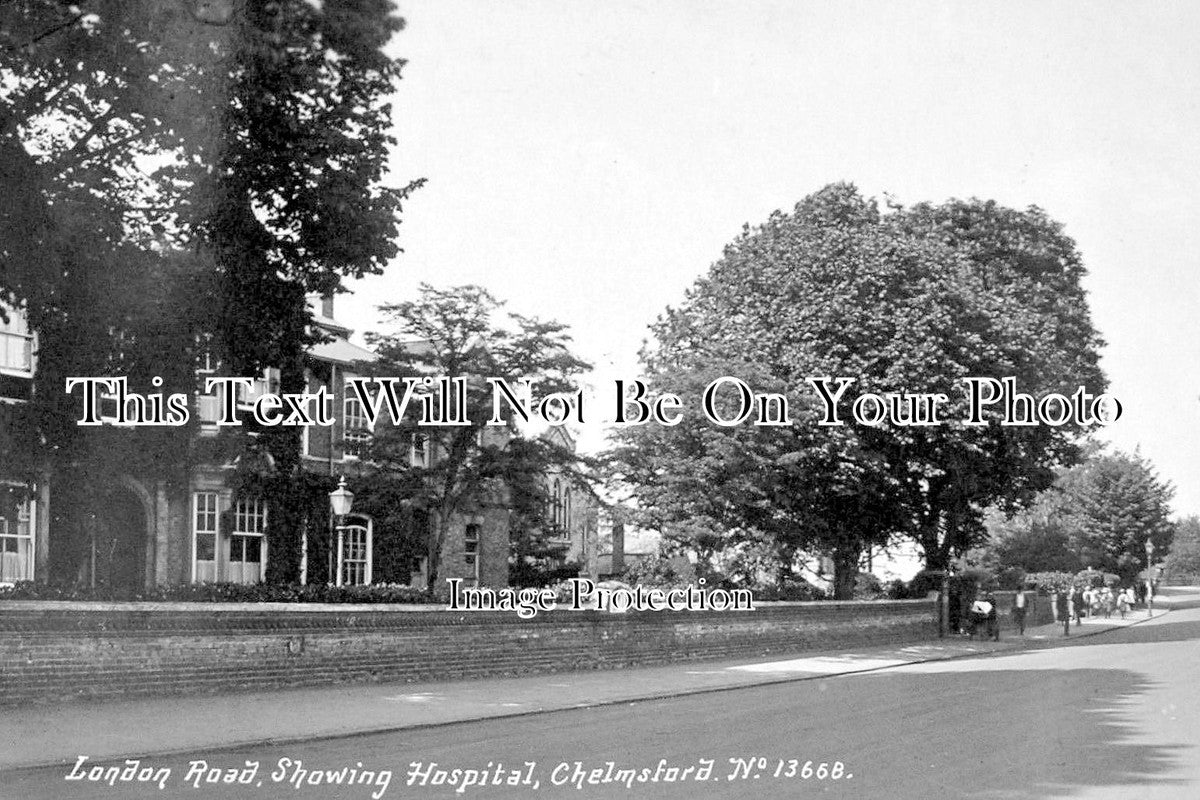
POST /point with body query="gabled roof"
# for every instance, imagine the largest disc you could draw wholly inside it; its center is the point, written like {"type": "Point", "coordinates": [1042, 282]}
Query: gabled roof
{"type": "Point", "coordinates": [341, 351]}
{"type": "Point", "coordinates": [562, 435]}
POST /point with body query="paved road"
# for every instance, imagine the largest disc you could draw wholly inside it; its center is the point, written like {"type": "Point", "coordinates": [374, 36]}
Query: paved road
{"type": "Point", "coordinates": [1109, 716]}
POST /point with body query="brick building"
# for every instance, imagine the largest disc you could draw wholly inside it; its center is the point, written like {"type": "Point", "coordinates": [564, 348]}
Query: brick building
{"type": "Point", "coordinates": [573, 512]}
{"type": "Point", "coordinates": [146, 530]}
{"type": "Point", "coordinates": [23, 521]}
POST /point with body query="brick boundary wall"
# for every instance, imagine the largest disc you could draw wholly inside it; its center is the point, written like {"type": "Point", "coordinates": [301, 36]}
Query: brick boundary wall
{"type": "Point", "coordinates": [1040, 609]}
{"type": "Point", "coordinates": [52, 651]}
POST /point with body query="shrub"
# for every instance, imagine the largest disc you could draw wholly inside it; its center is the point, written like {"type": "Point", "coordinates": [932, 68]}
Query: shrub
{"type": "Point", "coordinates": [229, 593]}
{"type": "Point", "coordinates": [867, 586]}
{"type": "Point", "coordinates": [662, 571]}
{"type": "Point", "coordinates": [1047, 582]}
{"type": "Point", "coordinates": [797, 590]}
{"type": "Point", "coordinates": [897, 589]}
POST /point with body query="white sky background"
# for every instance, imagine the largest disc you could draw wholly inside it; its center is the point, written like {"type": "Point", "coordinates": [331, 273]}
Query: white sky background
{"type": "Point", "coordinates": [587, 161]}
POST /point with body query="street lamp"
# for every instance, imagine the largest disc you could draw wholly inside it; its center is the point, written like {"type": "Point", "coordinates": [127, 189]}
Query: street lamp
{"type": "Point", "coordinates": [340, 501]}
{"type": "Point", "coordinates": [943, 599]}
{"type": "Point", "coordinates": [341, 498]}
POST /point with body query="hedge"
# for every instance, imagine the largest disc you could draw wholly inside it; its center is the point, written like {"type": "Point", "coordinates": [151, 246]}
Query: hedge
{"type": "Point", "coordinates": [227, 593]}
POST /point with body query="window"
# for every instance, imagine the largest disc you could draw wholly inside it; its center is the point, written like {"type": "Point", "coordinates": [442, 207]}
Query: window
{"type": "Point", "coordinates": [354, 558]}
{"type": "Point", "coordinates": [266, 383]}
{"type": "Point", "coordinates": [556, 508]}
{"type": "Point", "coordinates": [566, 520]}
{"type": "Point", "coordinates": [357, 432]}
{"type": "Point", "coordinates": [206, 363]}
{"type": "Point", "coordinates": [471, 551]}
{"type": "Point", "coordinates": [110, 407]}
{"type": "Point", "coordinates": [16, 344]}
{"type": "Point", "coordinates": [419, 452]}
{"type": "Point", "coordinates": [16, 538]}
{"type": "Point", "coordinates": [208, 406]}
{"type": "Point", "coordinates": [421, 527]}
{"type": "Point", "coordinates": [204, 536]}
{"type": "Point", "coordinates": [247, 545]}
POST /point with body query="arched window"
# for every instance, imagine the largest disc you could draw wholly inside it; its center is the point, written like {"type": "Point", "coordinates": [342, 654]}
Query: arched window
{"type": "Point", "coordinates": [354, 551]}
{"type": "Point", "coordinates": [567, 511]}
{"type": "Point", "coordinates": [556, 507]}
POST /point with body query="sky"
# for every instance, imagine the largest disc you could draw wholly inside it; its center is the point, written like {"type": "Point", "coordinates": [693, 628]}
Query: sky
{"type": "Point", "coordinates": [587, 162]}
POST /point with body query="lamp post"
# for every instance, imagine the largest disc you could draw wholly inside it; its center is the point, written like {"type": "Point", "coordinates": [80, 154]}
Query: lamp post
{"type": "Point", "coordinates": [1149, 578]}
{"type": "Point", "coordinates": [340, 501]}
{"type": "Point", "coordinates": [943, 599]}
{"type": "Point", "coordinates": [944, 603]}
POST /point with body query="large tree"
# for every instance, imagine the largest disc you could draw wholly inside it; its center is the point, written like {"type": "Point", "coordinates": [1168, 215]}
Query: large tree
{"type": "Point", "coordinates": [461, 333]}
{"type": "Point", "coordinates": [783, 490]}
{"type": "Point", "coordinates": [87, 126]}
{"type": "Point", "coordinates": [1183, 562]}
{"type": "Point", "coordinates": [1023, 313]}
{"type": "Point", "coordinates": [1033, 539]}
{"type": "Point", "coordinates": [299, 201]}
{"type": "Point", "coordinates": [1098, 514]}
{"type": "Point", "coordinates": [912, 300]}
{"type": "Point", "coordinates": [178, 176]}
{"type": "Point", "coordinates": [1111, 506]}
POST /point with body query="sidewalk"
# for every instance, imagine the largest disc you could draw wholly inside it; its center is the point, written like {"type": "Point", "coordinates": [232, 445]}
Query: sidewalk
{"type": "Point", "coordinates": [42, 735]}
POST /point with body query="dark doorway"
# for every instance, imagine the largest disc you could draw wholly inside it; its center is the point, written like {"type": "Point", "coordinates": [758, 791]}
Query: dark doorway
{"type": "Point", "coordinates": [120, 542]}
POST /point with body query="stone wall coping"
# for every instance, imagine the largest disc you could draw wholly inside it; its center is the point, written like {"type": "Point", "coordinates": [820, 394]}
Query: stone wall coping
{"type": "Point", "coordinates": [98, 606]}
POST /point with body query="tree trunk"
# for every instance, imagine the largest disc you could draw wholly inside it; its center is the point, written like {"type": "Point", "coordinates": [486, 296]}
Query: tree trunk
{"type": "Point", "coordinates": [935, 547]}
{"type": "Point", "coordinates": [845, 571]}
{"type": "Point", "coordinates": [437, 542]}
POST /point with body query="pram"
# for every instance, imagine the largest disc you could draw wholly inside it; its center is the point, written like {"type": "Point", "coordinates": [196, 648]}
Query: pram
{"type": "Point", "coordinates": [982, 620]}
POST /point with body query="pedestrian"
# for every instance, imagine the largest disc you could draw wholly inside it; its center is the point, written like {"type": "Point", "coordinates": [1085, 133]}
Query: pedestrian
{"type": "Point", "coordinates": [1124, 602]}
{"type": "Point", "coordinates": [1018, 610]}
{"type": "Point", "coordinates": [1062, 605]}
{"type": "Point", "coordinates": [1077, 603]}
{"type": "Point", "coordinates": [993, 619]}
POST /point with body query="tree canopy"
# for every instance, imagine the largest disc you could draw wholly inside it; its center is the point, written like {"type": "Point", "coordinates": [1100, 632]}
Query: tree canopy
{"type": "Point", "coordinates": [914, 299]}
{"type": "Point", "coordinates": [178, 176]}
{"type": "Point", "coordinates": [461, 333]}
{"type": "Point", "coordinates": [1111, 506]}
{"type": "Point", "coordinates": [1098, 514]}
{"type": "Point", "coordinates": [1183, 562]}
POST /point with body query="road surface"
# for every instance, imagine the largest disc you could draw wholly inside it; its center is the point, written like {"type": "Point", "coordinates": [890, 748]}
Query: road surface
{"type": "Point", "coordinates": [1109, 716]}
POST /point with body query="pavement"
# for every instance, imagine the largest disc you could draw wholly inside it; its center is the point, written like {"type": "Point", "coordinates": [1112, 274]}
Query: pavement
{"type": "Point", "coordinates": [53, 734]}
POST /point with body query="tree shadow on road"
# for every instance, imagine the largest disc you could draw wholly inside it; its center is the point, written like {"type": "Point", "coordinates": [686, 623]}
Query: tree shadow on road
{"type": "Point", "coordinates": [1011, 733]}
{"type": "Point", "coordinates": [978, 728]}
